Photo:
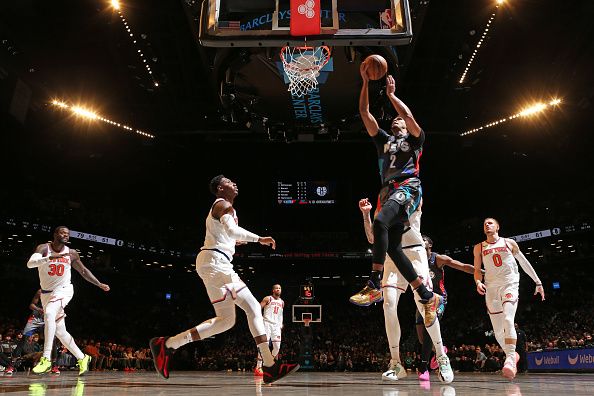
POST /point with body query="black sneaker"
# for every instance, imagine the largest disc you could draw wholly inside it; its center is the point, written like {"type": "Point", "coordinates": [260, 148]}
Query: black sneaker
{"type": "Point", "coordinates": [161, 355]}
{"type": "Point", "coordinates": [277, 371]}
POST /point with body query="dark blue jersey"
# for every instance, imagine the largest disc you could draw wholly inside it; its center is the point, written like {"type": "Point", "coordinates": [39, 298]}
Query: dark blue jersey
{"type": "Point", "coordinates": [437, 276]}
{"type": "Point", "coordinates": [398, 155]}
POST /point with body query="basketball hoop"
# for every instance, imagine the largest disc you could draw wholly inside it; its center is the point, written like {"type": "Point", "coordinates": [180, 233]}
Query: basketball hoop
{"type": "Point", "coordinates": [302, 66]}
{"type": "Point", "coordinates": [306, 321]}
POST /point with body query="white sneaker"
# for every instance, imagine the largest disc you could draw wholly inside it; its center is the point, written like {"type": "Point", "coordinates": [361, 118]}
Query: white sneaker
{"type": "Point", "coordinates": [395, 372]}
{"type": "Point", "coordinates": [444, 371]}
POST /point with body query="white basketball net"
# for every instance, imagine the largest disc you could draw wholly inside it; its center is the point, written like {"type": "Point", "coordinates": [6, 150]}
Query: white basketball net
{"type": "Point", "coordinates": [302, 66]}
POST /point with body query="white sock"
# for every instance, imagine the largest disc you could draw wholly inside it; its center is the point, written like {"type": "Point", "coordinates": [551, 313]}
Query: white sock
{"type": "Point", "coordinates": [177, 341]}
{"type": "Point", "coordinates": [266, 354]}
{"type": "Point", "coordinates": [259, 362]}
{"type": "Point", "coordinates": [510, 351]}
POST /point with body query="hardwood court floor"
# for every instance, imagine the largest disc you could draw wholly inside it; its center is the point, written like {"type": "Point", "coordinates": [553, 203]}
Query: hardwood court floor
{"type": "Point", "coordinates": [300, 383]}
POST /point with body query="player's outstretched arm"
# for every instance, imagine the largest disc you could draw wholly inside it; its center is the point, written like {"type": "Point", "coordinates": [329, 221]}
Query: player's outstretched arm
{"type": "Point", "coordinates": [365, 208]}
{"type": "Point", "coordinates": [442, 259]}
{"type": "Point", "coordinates": [403, 111]}
{"type": "Point", "coordinates": [368, 119]}
{"type": "Point", "coordinates": [527, 267]}
{"type": "Point", "coordinates": [478, 275]}
{"type": "Point", "coordinates": [85, 272]}
{"type": "Point", "coordinates": [223, 212]}
{"type": "Point", "coordinates": [42, 256]}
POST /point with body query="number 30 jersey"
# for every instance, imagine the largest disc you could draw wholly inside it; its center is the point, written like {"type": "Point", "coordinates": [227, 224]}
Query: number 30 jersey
{"type": "Point", "coordinates": [500, 265]}
{"type": "Point", "coordinates": [56, 273]}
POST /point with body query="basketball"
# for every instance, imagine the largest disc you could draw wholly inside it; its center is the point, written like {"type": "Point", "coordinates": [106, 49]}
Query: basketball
{"type": "Point", "coordinates": [377, 67]}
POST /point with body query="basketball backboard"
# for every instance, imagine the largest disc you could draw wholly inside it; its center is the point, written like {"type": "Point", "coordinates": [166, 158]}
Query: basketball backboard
{"type": "Point", "coordinates": [313, 313]}
{"type": "Point", "coordinates": [266, 23]}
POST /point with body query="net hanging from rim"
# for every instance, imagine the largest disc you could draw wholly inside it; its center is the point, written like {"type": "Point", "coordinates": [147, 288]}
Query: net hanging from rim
{"type": "Point", "coordinates": [302, 66]}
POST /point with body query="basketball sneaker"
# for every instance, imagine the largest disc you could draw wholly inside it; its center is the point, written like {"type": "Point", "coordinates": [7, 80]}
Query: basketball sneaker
{"type": "Point", "coordinates": [444, 371]}
{"type": "Point", "coordinates": [431, 306]}
{"type": "Point", "coordinates": [424, 376]}
{"type": "Point", "coordinates": [367, 296]}
{"type": "Point", "coordinates": [277, 371]}
{"type": "Point", "coordinates": [509, 367]}
{"type": "Point", "coordinates": [433, 364]}
{"type": "Point", "coordinates": [55, 370]}
{"type": "Point", "coordinates": [395, 371]}
{"type": "Point", "coordinates": [83, 364]}
{"type": "Point", "coordinates": [161, 355]}
{"type": "Point", "coordinates": [9, 370]}
{"type": "Point", "coordinates": [44, 366]}
{"type": "Point", "coordinates": [258, 372]}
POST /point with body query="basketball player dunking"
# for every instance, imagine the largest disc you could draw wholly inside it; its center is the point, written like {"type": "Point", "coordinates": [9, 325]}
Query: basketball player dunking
{"type": "Point", "coordinates": [498, 255]}
{"type": "Point", "coordinates": [223, 286]}
{"type": "Point", "coordinates": [394, 284]}
{"type": "Point", "coordinates": [54, 262]}
{"type": "Point", "coordinates": [272, 307]}
{"type": "Point", "coordinates": [399, 153]}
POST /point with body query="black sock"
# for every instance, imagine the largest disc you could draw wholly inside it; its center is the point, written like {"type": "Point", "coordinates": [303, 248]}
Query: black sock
{"type": "Point", "coordinates": [424, 293]}
{"type": "Point", "coordinates": [423, 366]}
{"type": "Point", "coordinates": [376, 279]}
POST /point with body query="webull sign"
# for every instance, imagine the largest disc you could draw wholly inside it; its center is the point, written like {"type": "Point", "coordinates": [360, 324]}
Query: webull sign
{"type": "Point", "coordinates": [562, 360]}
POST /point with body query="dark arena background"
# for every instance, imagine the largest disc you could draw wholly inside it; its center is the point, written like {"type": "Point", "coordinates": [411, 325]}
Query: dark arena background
{"type": "Point", "coordinates": [115, 116]}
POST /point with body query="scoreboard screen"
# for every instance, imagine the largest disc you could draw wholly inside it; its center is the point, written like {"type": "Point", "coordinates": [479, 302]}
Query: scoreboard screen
{"type": "Point", "coordinates": [305, 192]}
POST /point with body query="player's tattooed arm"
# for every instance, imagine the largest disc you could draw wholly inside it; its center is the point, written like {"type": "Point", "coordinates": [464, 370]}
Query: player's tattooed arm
{"type": "Point", "coordinates": [84, 271]}
{"type": "Point", "coordinates": [365, 208]}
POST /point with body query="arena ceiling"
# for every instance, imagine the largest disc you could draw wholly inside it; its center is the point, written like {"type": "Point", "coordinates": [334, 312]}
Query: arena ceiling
{"type": "Point", "coordinates": [82, 51]}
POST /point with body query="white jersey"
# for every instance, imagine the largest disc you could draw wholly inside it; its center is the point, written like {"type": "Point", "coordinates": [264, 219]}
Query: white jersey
{"type": "Point", "coordinates": [216, 235]}
{"type": "Point", "coordinates": [412, 236]}
{"type": "Point", "coordinates": [273, 311]}
{"type": "Point", "coordinates": [56, 273]}
{"type": "Point", "coordinates": [500, 265]}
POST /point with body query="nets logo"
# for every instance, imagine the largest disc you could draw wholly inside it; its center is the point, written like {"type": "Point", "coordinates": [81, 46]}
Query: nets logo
{"type": "Point", "coordinates": [307, 9]}
{"type": "Point", "coordinates": [322, 190]}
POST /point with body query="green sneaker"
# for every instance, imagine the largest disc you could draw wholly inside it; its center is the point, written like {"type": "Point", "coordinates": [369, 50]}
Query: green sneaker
{"type": "Point", "coordinates": [83, 364]}
{"type": "Point", "coordinates": [44, 366]}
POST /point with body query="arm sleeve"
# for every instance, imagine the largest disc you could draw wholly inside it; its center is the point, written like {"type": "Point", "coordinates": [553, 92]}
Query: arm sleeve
{"type": "Point", "coordinates": [37, 260]}
{"type": "Point", "coordinates": [235, 231]}
{"type": "Point", "coordinates": [527, 267]}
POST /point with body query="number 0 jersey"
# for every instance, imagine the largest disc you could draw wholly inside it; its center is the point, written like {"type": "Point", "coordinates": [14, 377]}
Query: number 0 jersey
{"type": "Point", "coordinates": [56, 273]}
{"type": "Point", "coordinates": [273, 311]}
{"type": "Point", "coordinates": [500, 265]}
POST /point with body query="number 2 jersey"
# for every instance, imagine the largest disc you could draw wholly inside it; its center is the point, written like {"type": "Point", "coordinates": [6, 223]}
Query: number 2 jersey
{"type": "Point", "coordinates": [56, 273]}
{"type": "Point", "coordinates": [500, 265]}
{"type": "Point", "coordinates": [399, 155]}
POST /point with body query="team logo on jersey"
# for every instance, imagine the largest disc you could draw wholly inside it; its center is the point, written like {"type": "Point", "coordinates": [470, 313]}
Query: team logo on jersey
{"type": "Point", "coordinates": [400, 197]}
{"type": "Point", "coordinates": [404, 146]}
{"type": "Point", "coordinates": [509, 295]}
